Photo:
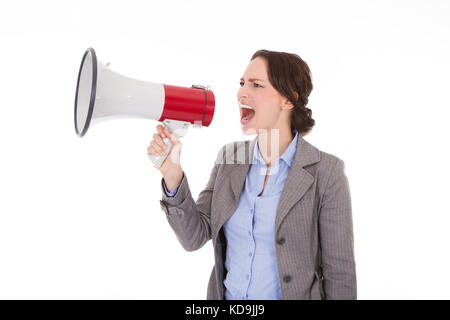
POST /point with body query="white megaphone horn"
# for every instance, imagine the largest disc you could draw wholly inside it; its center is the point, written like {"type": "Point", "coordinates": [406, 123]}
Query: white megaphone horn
{"type": "Point", "coordinates": [103, 94]}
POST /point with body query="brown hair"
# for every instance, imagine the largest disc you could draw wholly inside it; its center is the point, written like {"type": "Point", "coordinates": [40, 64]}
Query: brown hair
{"type": "Point", "coordinates": [291, 77]}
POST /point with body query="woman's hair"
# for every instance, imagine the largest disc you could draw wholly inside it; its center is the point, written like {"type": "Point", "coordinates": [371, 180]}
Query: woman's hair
{"type": "Point", "coordinates": [291, 77]}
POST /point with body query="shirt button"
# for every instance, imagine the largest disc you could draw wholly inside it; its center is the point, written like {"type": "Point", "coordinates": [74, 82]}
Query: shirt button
{"type": "Point", "coordinates": [287, 278]}
{"type": "Point", "coordinates": [249, 254]}
{"type": "Point", "coordinates": [249, 233]}
{"type": "Point", "coordinates": [281, 241]}
{"type": "Point", "coordinates": [247, 277]}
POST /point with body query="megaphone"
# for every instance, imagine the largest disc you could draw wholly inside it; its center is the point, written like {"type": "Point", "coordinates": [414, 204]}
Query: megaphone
{"type": "Point", "coordinates": [103, 94]}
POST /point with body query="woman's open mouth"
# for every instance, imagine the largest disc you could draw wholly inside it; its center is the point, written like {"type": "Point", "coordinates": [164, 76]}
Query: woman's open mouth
{"type": "Point", "coordinates": [247, 113]}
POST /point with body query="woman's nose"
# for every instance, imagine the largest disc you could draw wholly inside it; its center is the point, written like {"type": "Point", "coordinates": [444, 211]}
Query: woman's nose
{"type": "Point", "coordinates": [242, 94]}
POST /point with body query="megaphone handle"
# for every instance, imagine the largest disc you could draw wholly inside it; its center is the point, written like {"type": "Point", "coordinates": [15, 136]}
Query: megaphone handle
{"type": "Point", "coordinates": [178, 128]}
{"type": "Point", "coordinates": [157, 160]}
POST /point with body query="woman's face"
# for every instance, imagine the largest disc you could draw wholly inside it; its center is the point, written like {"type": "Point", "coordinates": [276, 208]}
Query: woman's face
{"type": "Point", "coordinates": [257, 92]}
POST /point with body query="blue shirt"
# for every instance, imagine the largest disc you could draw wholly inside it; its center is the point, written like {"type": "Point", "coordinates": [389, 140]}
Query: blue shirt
{"type": "Point", "coordinates": [251, 259]}
{"type": "Point", "coordinates": [251, 262]}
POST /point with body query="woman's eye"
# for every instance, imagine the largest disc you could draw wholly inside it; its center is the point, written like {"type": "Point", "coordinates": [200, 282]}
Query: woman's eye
{"type": "Point", "coordinates": [254, 84]}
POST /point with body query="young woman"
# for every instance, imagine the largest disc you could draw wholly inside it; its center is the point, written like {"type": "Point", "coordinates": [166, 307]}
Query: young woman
{"type": "Point", "coordinates": [277, 209]}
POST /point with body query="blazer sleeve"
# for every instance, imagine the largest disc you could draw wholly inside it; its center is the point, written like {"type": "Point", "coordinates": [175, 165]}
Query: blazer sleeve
{"type": "Point", "coordinates": [336, 237]}
{"type": "Point", "coordinates": [169, 193]}
{"type": "Point", "coordinates": [189, 219]}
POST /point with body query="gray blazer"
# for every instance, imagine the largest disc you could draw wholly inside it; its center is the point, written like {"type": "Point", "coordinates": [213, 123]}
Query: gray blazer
{"type": "Point", "coordinates": [313, 226]}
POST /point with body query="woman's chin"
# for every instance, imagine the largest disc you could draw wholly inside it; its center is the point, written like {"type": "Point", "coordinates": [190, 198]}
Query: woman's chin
{"type": "Point", "coordinates": [248, 130]}
{"type": "Point", "coordinates": [248, 127]}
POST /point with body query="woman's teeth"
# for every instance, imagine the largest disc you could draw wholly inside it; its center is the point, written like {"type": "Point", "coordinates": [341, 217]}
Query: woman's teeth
{"type": "Point", "coordinates": [247, 114]}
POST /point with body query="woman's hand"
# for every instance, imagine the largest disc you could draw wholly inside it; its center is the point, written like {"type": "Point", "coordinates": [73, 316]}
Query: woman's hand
{"type": "Point", "coordinates": [171, 168]}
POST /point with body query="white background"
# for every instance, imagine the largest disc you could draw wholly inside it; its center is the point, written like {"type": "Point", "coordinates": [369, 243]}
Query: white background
{"type": "Point", "coordinates": [80, 217]}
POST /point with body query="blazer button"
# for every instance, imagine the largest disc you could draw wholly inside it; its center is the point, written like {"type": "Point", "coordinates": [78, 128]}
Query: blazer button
{"type": "Point", "coordinates": [281, 241]}
{"type": "Point", "coordinates": [287, 278]}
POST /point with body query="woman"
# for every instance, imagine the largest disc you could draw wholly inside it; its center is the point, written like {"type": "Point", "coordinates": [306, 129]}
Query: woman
{"type": "Point", "coordinates": [281, 226]}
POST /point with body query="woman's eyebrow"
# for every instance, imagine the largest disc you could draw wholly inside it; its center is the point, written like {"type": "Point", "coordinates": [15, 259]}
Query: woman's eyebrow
{"type": "Point", "coordinates": [252, 79]}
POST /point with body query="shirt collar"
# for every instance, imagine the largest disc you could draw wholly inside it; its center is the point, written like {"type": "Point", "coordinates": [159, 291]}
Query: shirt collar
{"type": "Point", "coordinates": [288, 155]}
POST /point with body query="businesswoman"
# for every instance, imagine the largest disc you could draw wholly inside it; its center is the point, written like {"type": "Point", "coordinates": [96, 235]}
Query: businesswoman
{"type": "Point", "coordinates": [277, 209]}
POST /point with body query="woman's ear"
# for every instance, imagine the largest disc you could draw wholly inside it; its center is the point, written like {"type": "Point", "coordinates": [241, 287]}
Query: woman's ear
{"type": "Point", "coordinates": [287, 104]}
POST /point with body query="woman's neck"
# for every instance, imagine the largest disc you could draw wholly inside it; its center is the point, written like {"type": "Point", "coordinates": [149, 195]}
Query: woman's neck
{"type": "Point", "coordinates": [273, 143]}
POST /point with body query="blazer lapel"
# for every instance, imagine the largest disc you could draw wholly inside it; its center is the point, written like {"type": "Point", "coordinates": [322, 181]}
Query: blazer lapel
{"type": "Point", "coordinates": [298, 180]}
{"type": "Point", "coordinates": [238, 162]}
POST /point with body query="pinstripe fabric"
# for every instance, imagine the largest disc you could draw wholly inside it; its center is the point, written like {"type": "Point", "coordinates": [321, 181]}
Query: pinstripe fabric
{"type": "Point", "coordinates": [313, 226]}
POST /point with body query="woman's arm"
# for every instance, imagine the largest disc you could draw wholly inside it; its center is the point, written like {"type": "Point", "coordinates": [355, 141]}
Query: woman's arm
{"type": "Point", "coordinates": [190, 220]}
{"type": "Point", "coordinates": [336, 237]}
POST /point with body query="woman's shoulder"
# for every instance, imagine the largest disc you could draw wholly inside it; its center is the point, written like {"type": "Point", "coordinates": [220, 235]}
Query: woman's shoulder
{"type": "Point", "coordinates": [329, 159]}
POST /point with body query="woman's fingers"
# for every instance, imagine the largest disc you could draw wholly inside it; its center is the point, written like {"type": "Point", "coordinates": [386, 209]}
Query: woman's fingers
{"type": "Point", "coordinates": [157, 147]}
{"type": "Point", "coordinates": [153, 151]}
{"type": "Point", "coordinates": [172, 136]}
{"type": "Point", "coordinates": [168, 133]}
{"type": "Point", "coordinates": [158, 143]}
{"type": "Point", "coordinates": [159, 140]}
{"type": "Point", "coordinates": [161, 130]}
